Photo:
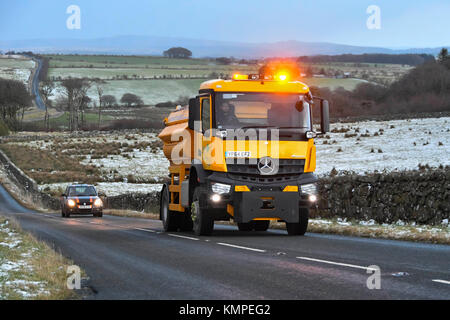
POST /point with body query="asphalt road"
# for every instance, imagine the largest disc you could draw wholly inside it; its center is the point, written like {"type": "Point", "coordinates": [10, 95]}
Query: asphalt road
{"type": "Point", "coordinates": [35, 84]}
{"type": "Point", "coordinates": [130, 258]}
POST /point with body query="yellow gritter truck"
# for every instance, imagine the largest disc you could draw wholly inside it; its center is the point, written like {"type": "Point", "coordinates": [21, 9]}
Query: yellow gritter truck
{"type": "Point", "coordinates": [243, 149]}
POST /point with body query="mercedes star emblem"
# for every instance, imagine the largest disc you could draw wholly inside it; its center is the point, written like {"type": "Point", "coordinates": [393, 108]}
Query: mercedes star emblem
{"type": "Point", "coordinates": [267, 166]}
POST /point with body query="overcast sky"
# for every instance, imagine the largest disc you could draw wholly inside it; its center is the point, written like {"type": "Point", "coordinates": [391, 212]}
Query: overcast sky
{"type": "Point", "coordinates": [404, 23]}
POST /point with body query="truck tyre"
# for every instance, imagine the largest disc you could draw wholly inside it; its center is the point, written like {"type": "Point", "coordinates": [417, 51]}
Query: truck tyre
{"type": "Point", "coordinates": [245, 226]}
{"type": "Point", "coordinates": [169, 218]}
{"type": "Point", "coordinates": [299, 229]}
{"type": "Point", "coordinates": [203, 223]}
{"type": "Point", "coordinates": [261, 225]}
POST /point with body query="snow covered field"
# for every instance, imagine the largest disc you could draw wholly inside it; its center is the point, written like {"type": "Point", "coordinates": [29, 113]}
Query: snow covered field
{"type": "Point", "coordinates": [16, 68]}
{"type": "Point", "coordinates": [385, 145]}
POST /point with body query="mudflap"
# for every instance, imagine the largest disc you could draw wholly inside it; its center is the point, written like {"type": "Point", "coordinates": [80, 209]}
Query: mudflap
{"type": "Point", "coordinates": [262, 204]}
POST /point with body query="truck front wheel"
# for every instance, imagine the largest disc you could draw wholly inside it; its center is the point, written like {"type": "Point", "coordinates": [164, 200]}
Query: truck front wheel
{"type": "Point", "coordinates": [203, 223]}
{"type": "Point", "coordinates": [299, 229]}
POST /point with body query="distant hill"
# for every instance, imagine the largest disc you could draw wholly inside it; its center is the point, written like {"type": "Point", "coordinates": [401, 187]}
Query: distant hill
{"type": "Point", "coordinates": [152, 45]}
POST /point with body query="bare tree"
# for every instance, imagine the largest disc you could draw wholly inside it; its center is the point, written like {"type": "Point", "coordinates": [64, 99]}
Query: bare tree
{"type": "Point", "coordinates": [85, 100]}
{"type": "Point", "coordinates": [46, 91]}
{"type": "Point", "coordinates": [75, 89]}
{"type": "Point", "coordinates": [99, 88]}
{"type": "Point", "coordinates": [14, 100]}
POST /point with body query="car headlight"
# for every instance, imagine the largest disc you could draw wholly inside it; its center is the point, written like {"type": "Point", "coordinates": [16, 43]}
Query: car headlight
{"type": "Point", "coordinates": [71, 203]}
{"type": "Point", "coordinates": [309, 188]}
{"type": "Point", "coordinates": [220, 188]}
{"type": "Point", "coordinates": [98, 203]}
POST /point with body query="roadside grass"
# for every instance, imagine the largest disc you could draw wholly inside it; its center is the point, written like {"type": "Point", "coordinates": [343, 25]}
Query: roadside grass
{"type": "Point", "coordinates": [30, 269]}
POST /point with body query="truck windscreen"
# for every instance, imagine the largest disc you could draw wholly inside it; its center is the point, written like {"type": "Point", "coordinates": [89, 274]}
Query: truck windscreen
{"type": "Point", "coordinates": [253, 110]}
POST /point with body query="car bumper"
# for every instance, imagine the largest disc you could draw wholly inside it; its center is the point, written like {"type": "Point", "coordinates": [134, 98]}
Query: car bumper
{"type": "Point", "coordinates": [84, 211]}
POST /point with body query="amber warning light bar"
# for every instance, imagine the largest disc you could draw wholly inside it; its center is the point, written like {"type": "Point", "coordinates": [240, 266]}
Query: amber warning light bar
{"type": "Point", "coordinates": [277, 77]}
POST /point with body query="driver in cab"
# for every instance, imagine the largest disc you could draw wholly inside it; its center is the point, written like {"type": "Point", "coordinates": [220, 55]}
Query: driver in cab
{"type": "Point", "coordinates": [226, 116]}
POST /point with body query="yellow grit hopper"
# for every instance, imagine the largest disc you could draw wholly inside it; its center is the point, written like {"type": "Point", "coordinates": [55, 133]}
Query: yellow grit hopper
{"type": "Point", "coordinates": [243, 149]}
{"type": "Point", "coordinates": [176, 127]}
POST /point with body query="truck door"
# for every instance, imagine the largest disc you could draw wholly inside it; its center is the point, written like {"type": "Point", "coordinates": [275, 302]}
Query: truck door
{"type": "Point", "coordinates": [205, 109]}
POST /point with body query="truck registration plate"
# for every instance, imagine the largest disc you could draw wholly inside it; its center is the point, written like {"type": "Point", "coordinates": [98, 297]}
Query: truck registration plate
{"type": "Point", "coordinates": [238, 154]}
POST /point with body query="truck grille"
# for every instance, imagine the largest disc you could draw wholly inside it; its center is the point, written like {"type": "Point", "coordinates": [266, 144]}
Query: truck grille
{"type": "Point", "coordinates": [288, 169]}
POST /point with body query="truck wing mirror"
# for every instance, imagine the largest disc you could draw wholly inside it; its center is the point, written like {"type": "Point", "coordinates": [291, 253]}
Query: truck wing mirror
{"type": "Point", "coordinates": [194, 112]}
{"type": "Point", "coordinates": [324, 116]}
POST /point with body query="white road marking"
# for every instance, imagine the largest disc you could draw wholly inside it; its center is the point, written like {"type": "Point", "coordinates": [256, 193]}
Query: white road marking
{"type": "Point", "coordinates": [441, 281]}
{"type": "Point", "coordinates": [180, 236]}
{"type": "Point", "coordinates": [240, 247]}
{"type": "Point", "coordinates": [336, 263]}
{"type": "Point", "coordinates": [147, 230]}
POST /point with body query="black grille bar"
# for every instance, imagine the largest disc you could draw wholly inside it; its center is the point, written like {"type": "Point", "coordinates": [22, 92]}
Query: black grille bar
{"type": "Point", "coordinates": [288, 169]}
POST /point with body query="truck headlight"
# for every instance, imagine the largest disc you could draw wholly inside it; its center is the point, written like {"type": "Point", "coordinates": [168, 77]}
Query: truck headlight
{"type": "Point", "coordinates": [310, 189]}
{"type": "Point", "coordinates": [220, 188]}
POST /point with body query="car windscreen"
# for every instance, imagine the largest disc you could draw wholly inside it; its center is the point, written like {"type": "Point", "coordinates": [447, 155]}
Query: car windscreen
{"type": "Point", "coordinates": [79, 191]}
{"type": "Point", "coordinates": [246, 110]}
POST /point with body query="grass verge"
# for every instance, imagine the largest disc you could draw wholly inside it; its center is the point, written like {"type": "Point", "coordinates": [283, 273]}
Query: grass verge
{"type": "Point", "coordinates": [30, 269]}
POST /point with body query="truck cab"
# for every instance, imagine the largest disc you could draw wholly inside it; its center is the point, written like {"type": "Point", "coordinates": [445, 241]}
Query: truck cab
{"type": "Point", "coordinates": [244, 150]}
